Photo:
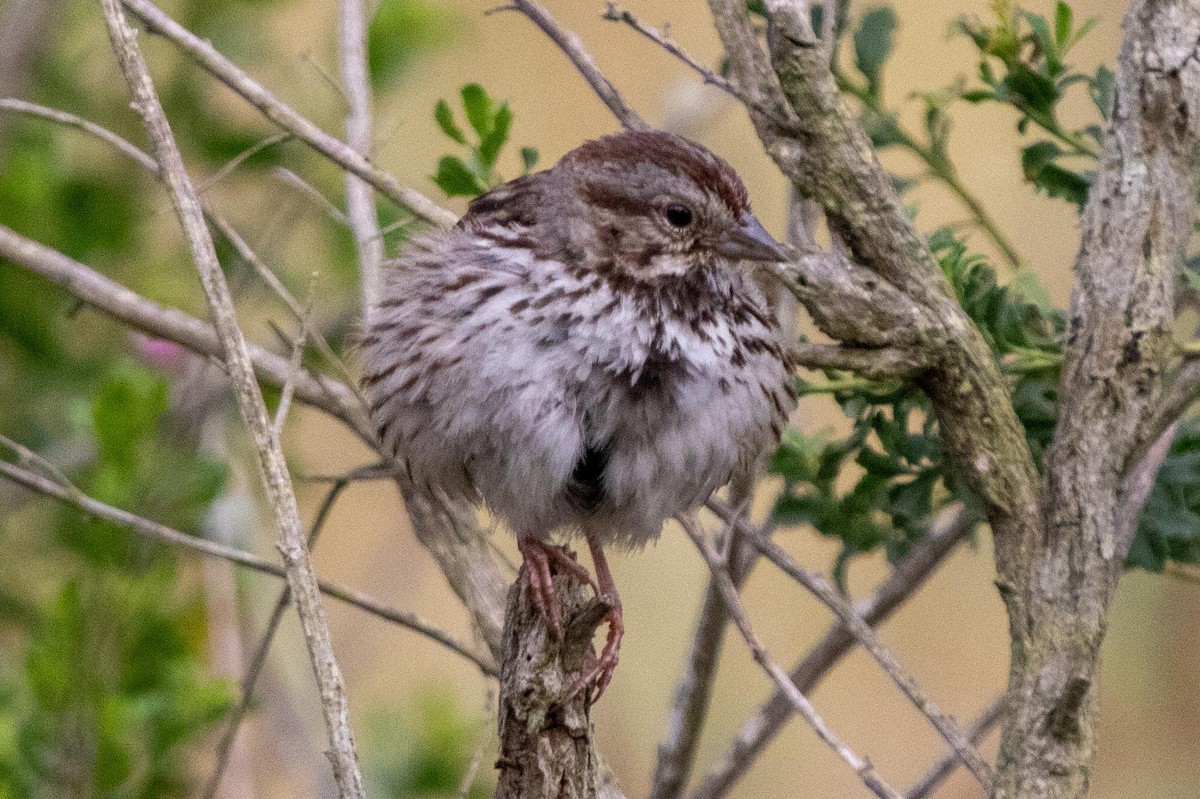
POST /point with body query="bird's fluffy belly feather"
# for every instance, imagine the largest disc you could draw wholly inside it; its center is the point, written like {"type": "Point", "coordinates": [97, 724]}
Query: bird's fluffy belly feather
{"type": "Point", "coordinates": [500, 381]}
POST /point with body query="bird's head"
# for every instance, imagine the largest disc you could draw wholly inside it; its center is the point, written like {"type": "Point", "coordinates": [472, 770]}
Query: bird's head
{"type": "Point", "coordinates": [657, 204]}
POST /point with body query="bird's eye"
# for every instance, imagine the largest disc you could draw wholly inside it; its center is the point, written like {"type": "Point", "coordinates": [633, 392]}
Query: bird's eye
{"type": "Point", "coordinates": [679, 215]}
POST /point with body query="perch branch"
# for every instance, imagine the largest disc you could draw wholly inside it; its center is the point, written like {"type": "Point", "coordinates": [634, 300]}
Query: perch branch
{"type": "Point", "coordinates": [272, 466]}
{"type": "Point", "coordinates": [737, 611]}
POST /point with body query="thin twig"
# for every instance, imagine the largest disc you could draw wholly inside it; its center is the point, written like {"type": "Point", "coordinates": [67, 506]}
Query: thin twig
{"type": "Point", "coordinates": [272, 465]}
{"type": "Point", "coordinates": [289, 385]}
{"type": "Point", "coordinates": [71, 495]}
{"type": "Point", "coordinates": [737, 612]}
{"type": "Point", "coordinates": [573, 48]}
{"type": "Point", "coordinates": [221, 224]}
{"type": "Point", "coordinates": [310, 192]}
{"type": "Point", "coordinates": [693, 694]}
{"type": "Point", "coordinates": [238, 714]}
{"type": "Point", "coordinates": [241, 158]}
{"type": "Point", "coordinates": [617, 13]}
{"type": "Point", "coordinates": [945, 766]}
{"type": "Point", "coordinates": [829, 596]}
{"type": "Point", "coordinates": [908, 575]}
{"type": "Point", "coordinates": [313, 334]}
{"type": "Point", "coordinates": [130, 308]}
{"type": "Point", "coordinates": [79, 123]}
{"type": "Point", "coordinates": [283, 115]}
{"type": "Point", "coordinates": [360, 200]}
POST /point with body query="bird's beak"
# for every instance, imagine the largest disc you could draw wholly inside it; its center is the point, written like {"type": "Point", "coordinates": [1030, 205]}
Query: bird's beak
{"type": "Point", "coordinates": [750, 241]}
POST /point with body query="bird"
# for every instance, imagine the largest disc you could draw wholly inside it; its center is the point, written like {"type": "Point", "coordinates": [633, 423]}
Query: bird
{"type": "Point", "coordinates": [586, 353]}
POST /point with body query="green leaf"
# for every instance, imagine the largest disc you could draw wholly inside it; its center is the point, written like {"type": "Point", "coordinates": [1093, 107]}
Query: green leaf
{"type": "Point", "coordinates": [978, 96]}
{"type": "Point", "coordinates": [529, 157]}
{"type": "Point", "coordinates": [1038, 163]}
{"type": "Point", "coordinates": [1063, 19]}
{"type": "Point", "coordinates": [1047, 44]}
{"type": "Point", "coordinates": [489, 146]}
{"type": "Point", "coordinates": [873, 44]}
{"type": "Point", "coordinates": [478, 106]}
{"type": "Point", "coordinates": [445, 120]}
{"type": "Point", "coordinates": [1035, 90]}
{"type": "Point", "coordinates": [456, 180]}
{"type": "Point", "coordinates": [1101, 90]}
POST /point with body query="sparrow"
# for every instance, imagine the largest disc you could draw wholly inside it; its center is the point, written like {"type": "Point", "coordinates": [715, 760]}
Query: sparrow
{"type": "Point", "coordinates": [586, 352]}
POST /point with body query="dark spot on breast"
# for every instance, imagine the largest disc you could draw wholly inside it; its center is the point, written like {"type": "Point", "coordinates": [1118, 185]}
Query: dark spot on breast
{"type": "Point", "coordinates": [585, 489]}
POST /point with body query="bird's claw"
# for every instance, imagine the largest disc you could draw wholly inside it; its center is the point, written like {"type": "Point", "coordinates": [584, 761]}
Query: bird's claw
{"type": "Point", "coordinates": [538, 555]}
{"type": "Point", "coordinates": [598, 676]}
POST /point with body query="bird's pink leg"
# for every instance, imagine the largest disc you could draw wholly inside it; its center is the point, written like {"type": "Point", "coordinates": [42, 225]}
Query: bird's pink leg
{"type": "Point", "coordinates": [601, 672]}
{"type": "Point", "coordinates": [538, 556]}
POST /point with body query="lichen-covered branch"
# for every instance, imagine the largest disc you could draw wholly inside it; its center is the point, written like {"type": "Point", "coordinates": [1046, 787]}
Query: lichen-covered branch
{"type": "Point", "coordinates": [546, 748]}
{"type": "Point", "coordinates": [1137, 222]}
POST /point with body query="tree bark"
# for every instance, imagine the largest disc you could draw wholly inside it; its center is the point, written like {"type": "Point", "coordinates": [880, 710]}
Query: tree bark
{"type": "Point", "coordinates": [546, 747]}
{"type": "Point", "coordinates": [1058, 587]}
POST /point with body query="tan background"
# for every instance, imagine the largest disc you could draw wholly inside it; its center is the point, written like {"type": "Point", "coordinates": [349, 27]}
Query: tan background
{"type": "Point", "coordinates": [952, 635]}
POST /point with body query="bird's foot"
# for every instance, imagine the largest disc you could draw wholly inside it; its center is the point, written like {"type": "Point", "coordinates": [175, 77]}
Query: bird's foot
{"type": "Point", "coordinates": [598, 676]}
{"type": "Point", "coordinates": [538, 556]}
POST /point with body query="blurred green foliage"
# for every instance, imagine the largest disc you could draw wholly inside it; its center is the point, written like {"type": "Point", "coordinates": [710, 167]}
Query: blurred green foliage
{"type": "Point", "coordinates": [105, 690]}
{"type": "Point", "coordinates": [427, 750]}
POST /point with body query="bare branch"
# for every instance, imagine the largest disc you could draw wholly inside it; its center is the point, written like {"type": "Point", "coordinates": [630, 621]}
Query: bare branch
{"type": "Point", "coordinates": [908, 575]}
{"type": "Point", "coordinates": [689, 706]}
{"type": "Point", "coordinates": [360, 200]}
{"type": "Point", "coordinates": [1181, 394]}
{"type": "Point", "coordinates": [238, 714]}
{"type": "Point", "coordinates": [241, 158]}
{"type": "Point", "coordinates": [617, 13]}
{"type": "Point", "coordinates": [737, 611]}
{"type": "Point", "coordinates": [880, 362]}
{"type": "Point", "coordinates": [289, 385]}
{"type": "Point", "coordinates": [126, 306]}
{"type": "Point", "coordinates": [310, 192]}
{"type": "Point", "coordinates": [829, 596]}
{"type": "Point", "coordinates": [69, 494]}
{"type": "Point", "coordinates": [79, 123]}
{"type": "Point", "coordinates": [272, 466]}
{"type": "Point", "coordinates": [573, 48]}
{"type": "Point", "coordinates": [283, 115]}
{"type": "Point", "coordinates": [944, 767]}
